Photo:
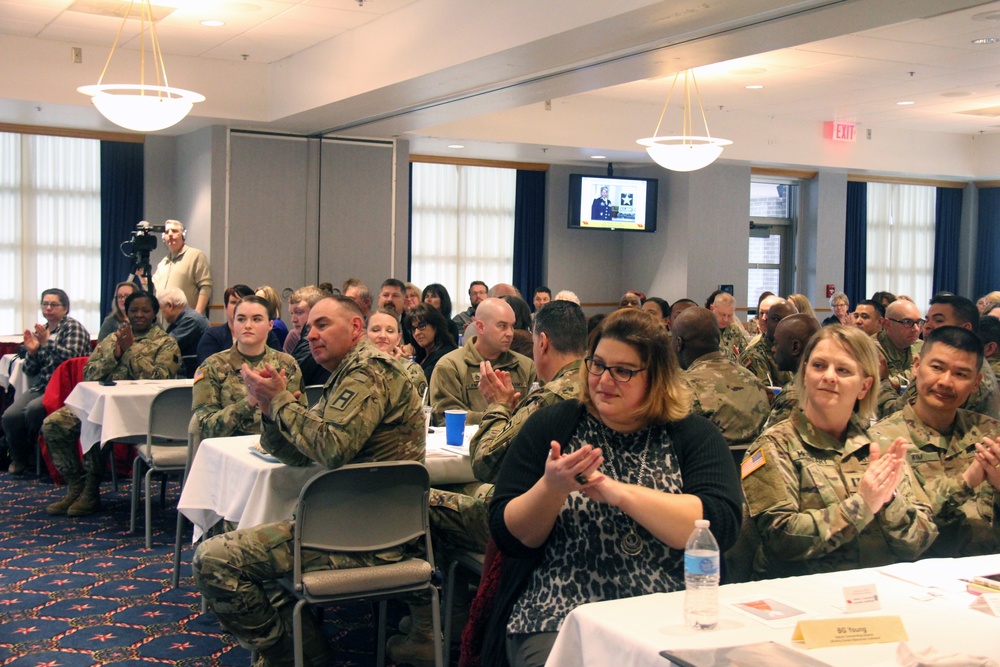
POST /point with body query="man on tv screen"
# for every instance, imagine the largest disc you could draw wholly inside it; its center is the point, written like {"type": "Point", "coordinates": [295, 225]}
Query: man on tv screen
{"type": "Point", "coordinates": [601, 208]}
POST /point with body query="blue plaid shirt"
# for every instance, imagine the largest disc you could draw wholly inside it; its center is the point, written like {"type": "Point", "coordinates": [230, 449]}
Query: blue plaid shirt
{"type": "Point", "coordinates": [69, 339]}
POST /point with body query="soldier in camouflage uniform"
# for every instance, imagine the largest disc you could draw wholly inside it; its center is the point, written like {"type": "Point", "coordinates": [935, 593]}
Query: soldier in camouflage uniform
{"type": "Point", "coordinates": [944, 438]}
{"type": "Point", "coordinates": [897, 341]}
{"type": "Point", "coordinates": [957, 311]}
{"type": "Point", "coordinates": [139, 350]}
{"type": "Point", "coordinates": [989, 333]}
{"type": "Point", "coordinates": [790, 339]}
{"type": "Point", "coordinates": [221, 404]}
{"type": "Point", "coordinates": [369, 411]}
{"type": "Point", "coordinates": [732, 339]}
{"type": "Point", "coordinates": [757, 357]}
{"type": "Point", "coordinates": [726, 394]}
{"type": "Point", "coordinates": [822, 500]}
{"type": "Point", "coordinates": [455, 382]}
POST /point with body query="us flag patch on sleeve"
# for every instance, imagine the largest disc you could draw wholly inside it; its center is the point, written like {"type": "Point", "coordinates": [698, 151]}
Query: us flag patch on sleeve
{"type": "Point", "coordinates": [749, 465]}
{"type": "Point", "coordinates": [199, 374]}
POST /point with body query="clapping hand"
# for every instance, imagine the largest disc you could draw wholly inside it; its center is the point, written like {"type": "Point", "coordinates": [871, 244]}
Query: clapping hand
{"type": "Point", "coordinates": [988, 458]}
{"type": "Point", "coordinates": [41, 333]}
{"type": "Point", "coordinates": [565, 473]}
{"type": "Point", "coordinates": [878, 484]}
{"type": "Point", "coordinates": [263, 385]}
{"type": "Point", "coordinates": [125, 339]}
{"type": "Point", "coordinates": [31, 343]}
{"type": "Point", "coordinates": [496, 386]}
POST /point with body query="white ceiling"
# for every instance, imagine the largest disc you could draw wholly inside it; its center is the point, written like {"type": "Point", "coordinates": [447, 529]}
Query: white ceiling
{"type": "Point", "coordinates": [476, 72]}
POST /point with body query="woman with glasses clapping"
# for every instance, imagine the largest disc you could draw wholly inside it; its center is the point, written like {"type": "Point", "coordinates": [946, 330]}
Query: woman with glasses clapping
{"type": "Point", "coordinates": [598, 496]}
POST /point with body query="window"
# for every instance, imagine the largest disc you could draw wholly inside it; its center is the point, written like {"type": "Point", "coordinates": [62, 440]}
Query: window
{"type": "Point", "coordinates": [772, 223]}
{"type": "Point", "coordinates": [462, 227]}
{"type": "Point", "coordinates": [50, 227]}
{"type": "Point", "coordinates": [901, 222]}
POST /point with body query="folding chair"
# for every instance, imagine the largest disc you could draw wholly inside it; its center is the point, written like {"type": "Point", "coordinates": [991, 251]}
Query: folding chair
{"type": "Point", "coordinates": [165, 449]}
{"type": "Point", "coordinates": [467, 560]}
{"type": "Point", "coordinates": [313, 393]}
{"type": "Point", "coordinates": [194, 439]}
{"type": "Point", "coordinates": [358, 508]}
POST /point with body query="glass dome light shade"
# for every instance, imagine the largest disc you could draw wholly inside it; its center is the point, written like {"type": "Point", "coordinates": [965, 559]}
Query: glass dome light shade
{"type": "Point", "coordinates": [142, 108]}
{"type": "Point", "coordinates": [684, 153]}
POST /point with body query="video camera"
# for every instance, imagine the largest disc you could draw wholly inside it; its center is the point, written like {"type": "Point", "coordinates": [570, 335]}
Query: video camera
{"type": "Point", "coordinates": [139, 245]}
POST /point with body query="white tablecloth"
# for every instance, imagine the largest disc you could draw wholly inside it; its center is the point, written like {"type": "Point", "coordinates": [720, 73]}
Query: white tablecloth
{"type": "Point", "coordinates": [120, 412]}
{"type": "Point", "coordinates": [226, 481]}
{"type": "Point", "coordinates": [12, 373]}
{"type": "Point", "coordinates": [633, 631]}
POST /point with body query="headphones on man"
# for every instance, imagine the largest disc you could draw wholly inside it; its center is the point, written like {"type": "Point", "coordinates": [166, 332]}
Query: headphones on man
{"type": "Point", "coordinates": [184, 231]}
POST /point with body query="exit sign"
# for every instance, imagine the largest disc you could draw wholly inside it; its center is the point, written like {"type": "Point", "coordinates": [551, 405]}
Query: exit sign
{"type": "Point", "coordinates": [841, 131]}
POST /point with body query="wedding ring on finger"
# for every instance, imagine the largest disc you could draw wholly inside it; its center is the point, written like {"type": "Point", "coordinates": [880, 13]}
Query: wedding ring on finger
{"type": "Point", "coordinates": [581, 479]}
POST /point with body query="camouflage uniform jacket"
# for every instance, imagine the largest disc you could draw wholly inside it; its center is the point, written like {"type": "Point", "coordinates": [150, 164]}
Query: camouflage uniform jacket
{"type": "Point", "coordinates": [965, 517]}
{"type": "Point", "coordinates": [783, 404]}
{"type": "Point", "coordinates": [985, 400]}
{"type": "Point", "coordinates": [899, 362]}
{"type": "Point", "coordinates": [729, 396]}
{"type": "Point", "coordinates": [499, 427]}
{"type": "Point", "coordinates": [153, 356]}
{"type": "Point", "coordinates": [455, 381]}
{"type": "Point", "coordinates": [757, 359]}
{"type": "Point", "coordinates": [369, 411]}
{"type": "Point", "coordinates": [995, 365]}
{"type": "Point", "coordinates": [805, 504]}
{"type": "Point", "coordinates": [220, 397]}
{"type": "Point", "coordinates": [416, 375]}
{"type": "Point", "coordinates": [732, 341]}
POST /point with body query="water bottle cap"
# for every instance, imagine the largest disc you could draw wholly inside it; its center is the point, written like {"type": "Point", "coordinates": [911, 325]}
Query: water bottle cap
{"type": "Point", "coordinates": [702, 523]}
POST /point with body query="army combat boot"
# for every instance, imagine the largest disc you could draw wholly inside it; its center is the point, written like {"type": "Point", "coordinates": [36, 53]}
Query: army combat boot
{"type": "Point", "coordinates": [89, 500]}
{"type": "Point", "coordinates": [74, 487]}
{"type": "Point", "coordinates": [417, 647]}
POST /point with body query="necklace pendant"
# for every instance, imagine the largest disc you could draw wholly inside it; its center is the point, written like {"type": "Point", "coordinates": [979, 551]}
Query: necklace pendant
{"type": "Point", "coordinates": [631, 543]}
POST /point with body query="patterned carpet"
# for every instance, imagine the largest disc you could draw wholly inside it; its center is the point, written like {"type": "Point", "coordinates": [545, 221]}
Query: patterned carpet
{"type": "Point", "coordinates": [82, 592]}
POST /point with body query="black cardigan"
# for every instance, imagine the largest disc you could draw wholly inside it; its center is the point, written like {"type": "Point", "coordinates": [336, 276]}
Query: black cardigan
{"type": "Point", "coordinates": [707, 472]}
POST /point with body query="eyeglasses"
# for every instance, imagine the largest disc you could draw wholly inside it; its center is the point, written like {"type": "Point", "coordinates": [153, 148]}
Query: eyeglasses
{"type": "Point", "coordinates": [908, 323]}
{"type": "Point", "coordinates": [618, 374]}
{"type": "Point", "coordinates": [121, 297]}
{"type": "Point", "coordinates": [419, 327]}
{"type": "Point", "coordinates": [51, 304]}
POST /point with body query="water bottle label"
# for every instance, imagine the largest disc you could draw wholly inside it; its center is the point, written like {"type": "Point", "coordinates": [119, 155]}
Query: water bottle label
{"type": "Point", "coordinates": [699, 564]}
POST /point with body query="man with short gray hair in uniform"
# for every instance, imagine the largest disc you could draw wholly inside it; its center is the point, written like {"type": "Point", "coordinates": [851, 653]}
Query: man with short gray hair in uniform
{"type": "Point", "coordinates": [369, 411]}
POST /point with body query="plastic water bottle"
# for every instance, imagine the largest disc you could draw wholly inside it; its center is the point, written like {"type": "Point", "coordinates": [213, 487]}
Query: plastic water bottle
{"type": "Point", "coordinates": [701, 578]}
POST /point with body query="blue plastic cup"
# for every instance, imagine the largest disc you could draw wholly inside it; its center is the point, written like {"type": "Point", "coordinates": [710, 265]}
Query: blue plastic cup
{"type": "Point", "coordinates": [454, 427]}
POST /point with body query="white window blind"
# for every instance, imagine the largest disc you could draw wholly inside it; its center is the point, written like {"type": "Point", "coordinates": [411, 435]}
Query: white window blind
{"type": "Point", "coordinates": [901, 240]}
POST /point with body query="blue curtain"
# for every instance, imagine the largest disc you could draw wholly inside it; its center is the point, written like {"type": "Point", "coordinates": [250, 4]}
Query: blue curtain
{"type": "Point", "coordinates": [948, 223]}
{"type": "Point", "coordinates": [856, 242]}
{"type": "Point", "coordinates": [988, 243]}
{"type": "Point", "coordinates": [121, 209]}
{"type": "Point", "coordinates": [529, 231]}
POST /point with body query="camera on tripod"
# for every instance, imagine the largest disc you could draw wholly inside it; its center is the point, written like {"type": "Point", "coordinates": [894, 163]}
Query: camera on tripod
{"type": "Point", "coordinates": [137, 248]}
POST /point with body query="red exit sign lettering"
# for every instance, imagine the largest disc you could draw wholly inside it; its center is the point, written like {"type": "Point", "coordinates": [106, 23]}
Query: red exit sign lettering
{"type": "Point", "coordinates": [840, 131]}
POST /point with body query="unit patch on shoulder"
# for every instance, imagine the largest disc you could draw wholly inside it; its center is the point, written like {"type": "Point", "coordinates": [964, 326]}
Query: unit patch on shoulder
{"type": "Point", "coordinates": [344, 399]}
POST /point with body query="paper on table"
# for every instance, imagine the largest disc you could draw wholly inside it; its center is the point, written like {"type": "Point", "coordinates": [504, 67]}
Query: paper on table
{"type": "Point", "coordinates": [769, 611]}
{"type": "Point", "coordinates": [943, 573]}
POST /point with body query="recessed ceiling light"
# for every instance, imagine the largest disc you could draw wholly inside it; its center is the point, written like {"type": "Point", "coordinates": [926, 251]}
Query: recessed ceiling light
{"type": "Point", "coordinates": [755, 86]}
{"type": "Point", "coordinates": [455, 146]}
{"type": "Point", "coordinates": [211, 23]}
{"type": "Point", "coordinates": [986, 40]}
{"type": "Point", "coordinates": [904, 104]}
{"type": "Point", "coordinates": [598, 157]}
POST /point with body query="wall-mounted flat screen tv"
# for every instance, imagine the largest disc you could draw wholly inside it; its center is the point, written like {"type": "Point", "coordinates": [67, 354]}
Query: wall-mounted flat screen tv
{"type": "Point", "coordinates": [605, 202]}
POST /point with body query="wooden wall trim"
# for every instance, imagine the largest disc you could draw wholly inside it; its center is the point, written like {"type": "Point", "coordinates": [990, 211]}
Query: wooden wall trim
{"type": "Point", "coordinates": [987, 184]}
{"type": "Point", "coordinates": [471, 162]}
{"type": "Point", "coordinates": [871, 178]}
{"type": "Point", "coordinates": [800, 174]}
{"type": "Point", "coordinates": [68, 132]}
